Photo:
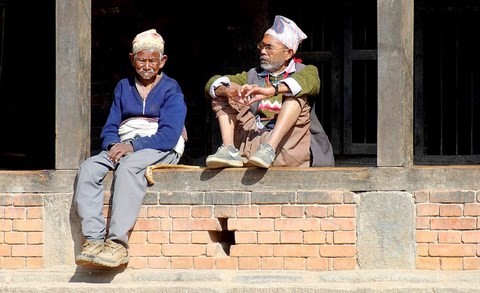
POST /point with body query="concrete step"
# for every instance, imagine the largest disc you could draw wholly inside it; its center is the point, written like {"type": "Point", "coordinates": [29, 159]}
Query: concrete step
{"type": "Point", "coordinates": [132, 280]}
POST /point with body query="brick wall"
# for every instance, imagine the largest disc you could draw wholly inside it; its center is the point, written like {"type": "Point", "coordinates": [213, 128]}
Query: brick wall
{"type": "Point", "coordinates": [259, 230]}
{"type": "Point", "coordinates": [447, 230]}
{"type": "Point", "coordinates": [21, 231]}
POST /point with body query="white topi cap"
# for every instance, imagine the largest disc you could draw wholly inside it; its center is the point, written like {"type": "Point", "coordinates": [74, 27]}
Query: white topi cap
{"type": "Point", "coordinates": [148, 40]}
{"type": "Point", "coordinates": [287, 32]}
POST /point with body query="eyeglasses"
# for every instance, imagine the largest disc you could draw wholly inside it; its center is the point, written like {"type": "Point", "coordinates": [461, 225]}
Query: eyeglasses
{"type": "Point", "coordinates": [268, 48]}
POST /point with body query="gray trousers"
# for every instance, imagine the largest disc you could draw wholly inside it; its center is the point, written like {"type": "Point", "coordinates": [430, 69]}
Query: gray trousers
{"type": "Point", "coordinates": [129, 188]}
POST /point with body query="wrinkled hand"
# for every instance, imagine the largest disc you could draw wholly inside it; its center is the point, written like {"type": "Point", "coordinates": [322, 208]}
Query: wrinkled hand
{"type": "Point", "coordinates": [119, 150]}
{"type": "Point", "coordinates": [233, 92]}
{"type": "Point", "coordinates": [252, 93]}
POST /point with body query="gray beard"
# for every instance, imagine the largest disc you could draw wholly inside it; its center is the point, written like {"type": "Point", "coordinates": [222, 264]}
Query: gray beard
{"type": "Point", "coordinates": [272, 67]}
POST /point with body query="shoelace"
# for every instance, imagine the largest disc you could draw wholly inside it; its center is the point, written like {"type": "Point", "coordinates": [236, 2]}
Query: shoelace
{"type": "Point", "coordinates": [109, 247]}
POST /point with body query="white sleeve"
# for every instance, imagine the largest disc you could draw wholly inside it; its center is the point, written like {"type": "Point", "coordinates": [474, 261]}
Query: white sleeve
{"type": "Point", "coordinates": [293, 85]}
{"type": "Point", "coordinates": [219, 81]}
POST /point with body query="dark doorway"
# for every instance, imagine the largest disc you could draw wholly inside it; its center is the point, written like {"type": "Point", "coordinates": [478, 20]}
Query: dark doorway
{"type": "Point", "coordinates": [27, 84]}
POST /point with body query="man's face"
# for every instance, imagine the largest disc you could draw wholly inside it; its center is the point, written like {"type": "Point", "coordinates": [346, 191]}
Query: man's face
{"type": "Point", "coordinates": [148, 63]}
{"type": "Point", "coordinates": [273, 53]}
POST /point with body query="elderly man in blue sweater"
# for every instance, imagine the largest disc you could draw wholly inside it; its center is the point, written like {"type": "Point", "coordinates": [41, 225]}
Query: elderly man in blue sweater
{"type": "Point", "coordinates": [145, 126]}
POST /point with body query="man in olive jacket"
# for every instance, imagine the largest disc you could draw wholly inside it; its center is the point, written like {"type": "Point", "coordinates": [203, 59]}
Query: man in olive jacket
{"type": "Point", "coordinates": [264, 114]}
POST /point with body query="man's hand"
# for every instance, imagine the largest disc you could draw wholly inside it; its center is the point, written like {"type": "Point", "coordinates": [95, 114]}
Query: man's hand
{"type": "Point", "coordinates": [233, 92]}
{"type": "Point", "coordinates": [119, 150]}
{"type": "Point", "coordinates": [253, 93]}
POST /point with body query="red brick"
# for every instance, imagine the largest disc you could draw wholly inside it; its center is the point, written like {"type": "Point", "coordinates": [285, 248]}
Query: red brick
{"type": "Point", "coordinates": [138, 237]}
{"type": "Point", "coordinates": [449, 237]}
{"type": "Point", "coordinates": [35, 213]}
{"type": "Point", "coordinates": [294, 263]}
{"type": "Point", "coordinates": [422, 249]}
{"type": "Point", "coordinates": [296, 250]}
{"type": "Point", "coordinates": [471, 209]}
{"type": "Point", "coordinates": [423, 236]}
{"type": "Point", "coordinates": [268, 237]}
{"type": "Point", "coordinates": [226, 263]}
{"type": "Point", "coordinates": [451, 263]}
{"type": "Point", "coordinates": [28, 225]}
{"type": "Point", "coordinates": [291, 237]}
{"type": "Point", "coordinates": [145, 249]}
{"type": "Point", "coordinates": [471, 236]}
{"type": "Point", "coordinates": [14, 263]}
{"type": "Point", "coordinates": [181, 263]}
{"type": "Point", "coordinates": [245, 237]}
{"type": "Point", "coordinates": [202, 212]}
{"type": "Point", "coordinates": [250, 224]}
{"type": "Point", "coordinates": [5, 250]}
{"type": "Point", "coordinates": [200, 237]}
{"type": "Point", "coordinates": [196, 225]}
{"type": "Point", "coordinates": [247, 211]}
{"type": "Point", "coordinates": [180, 237]}
{"type": "Point", "coordinates": [15, 213]}
{"type": "Point", "coordinates": [251, 250]}
{"type": "Point", "coordinates": [158, 237]}
{"type": "Point", "coordinates": [15, 238]}
{"type": "Point", "coordinates": [225, 211]}
{"type": "Point", "coordinates": [451, 250]}
{"type": "Point", "coordinates": [35, 238]}
{"type": "Point", "coordinates": [338, 250]}
{"type": "Point", "coordinates": [272, 263]}
{"type": "Point", "coordinates": [138, 262]}
{"type": "Point", "coordinates": [158, 262]}
{"type": "Point", "coordinates": [179, 212]}
{"type": "Point", "coordinates": [338, 224]}
{"type": "Point", "coordinates": [471, 263]}
{"type": "Point", "coordinates": [428, 263]}
{"type": "Point", "coordinates": [453, 223]}
{"type": "Point", "coordinates": [35, 263]}
{"type": "Point", "coordinates": [183, 249]}
{"type": "Point", "coordinates": [27, 250]}
{"type": "Point", "coordinates": [344, 237]}
{"type": "Point", "coordinates": [308, 224]}
{"type": "Point", "coordinates": [428, 209]}
{"type": "Point", "coordinates": [344, 263]}
{"type": "Point", "coordinates": [142, 213]}
{"type": "Point", "coordinates": [203, 263]}
{"type": "Point", "coordinates": [147, 225]}
{"type": "Point", "coordinates": [316, 211]}
{"type": "Point", "coordinates": [293, 211]}
{"type": "Point", "coordinates": [451, 210]}
{"type": "Point", "coordinates": [314, 237]}
{"type": "Point", "coordinates": [157, 212]}
{"type": "Point", "coordinates": [315, 263]}
{"type": "Point", "coordinates": [344, 211]}
{"type": "Point", "coordinates": [422, 223]}
{"type": "Point", "coordinates": [270, 211]}
{"type": "Point", "coordinates": [249, 263]}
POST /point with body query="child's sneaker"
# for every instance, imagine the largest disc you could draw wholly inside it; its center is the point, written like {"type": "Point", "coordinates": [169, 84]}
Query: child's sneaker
{"type": "Point", "coordinates": [264, 156]}
{"type": "Point", "coordinates": [225, 157]}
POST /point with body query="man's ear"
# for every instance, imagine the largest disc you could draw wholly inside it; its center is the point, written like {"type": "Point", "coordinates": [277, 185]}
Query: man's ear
{"type": "Point", "coordinates": [290, 54]}
{"type": "Point", "coordinates": [131, 56]}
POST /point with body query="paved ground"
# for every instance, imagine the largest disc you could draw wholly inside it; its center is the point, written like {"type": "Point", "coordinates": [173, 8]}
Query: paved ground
{"type": "Point", "coordinates": [131, 280]}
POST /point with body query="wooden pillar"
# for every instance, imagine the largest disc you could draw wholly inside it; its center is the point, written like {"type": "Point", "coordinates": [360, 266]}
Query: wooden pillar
{"type": "Point", "coordinates": [73, 65]}
{"type": "Point", "coordinates": [395, 83]}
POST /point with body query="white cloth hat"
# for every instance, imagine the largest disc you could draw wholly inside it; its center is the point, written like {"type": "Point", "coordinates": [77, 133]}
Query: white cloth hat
{"type": "Point", "coordinates": [148, 40]}
{"type": "Point", "coordinates": [287, 32]}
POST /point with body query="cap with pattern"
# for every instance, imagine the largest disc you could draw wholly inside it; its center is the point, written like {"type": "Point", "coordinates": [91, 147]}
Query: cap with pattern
{"type": "Point", "coordinates": [149, 39]}
{"type": "Point", "coordinates": [287, 32]}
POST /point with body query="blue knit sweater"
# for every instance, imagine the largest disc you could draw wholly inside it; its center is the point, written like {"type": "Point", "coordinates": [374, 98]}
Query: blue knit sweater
{"type": "Point", "coordinates": [165, 102]}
